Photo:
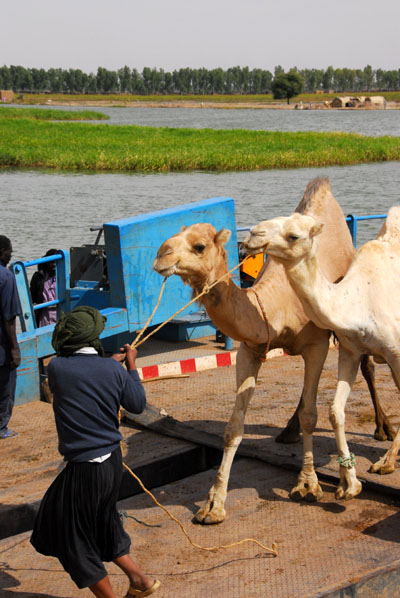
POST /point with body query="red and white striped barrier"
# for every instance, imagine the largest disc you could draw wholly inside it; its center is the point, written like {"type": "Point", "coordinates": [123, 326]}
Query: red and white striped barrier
{"type": "Point", "coordinates": [196, 364]}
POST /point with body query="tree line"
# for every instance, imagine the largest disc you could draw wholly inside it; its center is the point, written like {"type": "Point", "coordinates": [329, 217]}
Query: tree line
{"type": "Point", "coordinates": [202, 81]}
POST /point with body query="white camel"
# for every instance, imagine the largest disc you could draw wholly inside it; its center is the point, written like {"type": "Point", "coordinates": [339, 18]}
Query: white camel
{"type": "Point", "coordinates": [265, 316]}
{"type": "Point", "coordinates": [362, 309]}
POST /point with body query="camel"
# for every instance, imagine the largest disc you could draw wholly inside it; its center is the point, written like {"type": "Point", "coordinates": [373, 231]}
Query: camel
{"type": "Point", "coordinates": [362, 310]}
{"type": "Point", "coordinates": [266, 316]}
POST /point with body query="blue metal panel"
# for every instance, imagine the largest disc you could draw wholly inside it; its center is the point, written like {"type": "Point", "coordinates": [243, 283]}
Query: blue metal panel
{"type": "Point", "coordinates": [132, 245]}
{"type": "Point", "coordinates": [28, 372]}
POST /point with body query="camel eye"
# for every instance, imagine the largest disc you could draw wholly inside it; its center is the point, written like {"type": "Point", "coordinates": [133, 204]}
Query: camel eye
{"type": "Point", "coordinates": [199, 248]}
{"type": "Point", "coordinates": [292, 238]}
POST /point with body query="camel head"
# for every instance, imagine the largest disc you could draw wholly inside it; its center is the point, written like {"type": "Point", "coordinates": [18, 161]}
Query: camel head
{"type": "Point", "coordinates": [196, 254]}
{"type": "Point", "coordinates": [286, 239]}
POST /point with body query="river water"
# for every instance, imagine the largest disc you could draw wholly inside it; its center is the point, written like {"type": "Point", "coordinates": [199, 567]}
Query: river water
{"type": "Point", "coordinates": [42, 208]}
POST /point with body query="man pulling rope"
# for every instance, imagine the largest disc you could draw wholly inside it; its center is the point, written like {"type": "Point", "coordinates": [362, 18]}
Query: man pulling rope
{"type": "Point", "coordinates": [78, 521]}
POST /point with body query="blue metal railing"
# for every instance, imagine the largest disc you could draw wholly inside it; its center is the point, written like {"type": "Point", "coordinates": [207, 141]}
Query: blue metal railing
{"type": "Point", "coordinates": [42, 260]}
{"type": "Point", "coordinates": [351, 220]}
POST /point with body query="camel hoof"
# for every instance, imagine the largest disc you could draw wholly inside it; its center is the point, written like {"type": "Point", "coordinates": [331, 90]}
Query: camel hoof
{"type": "Point", "coordinates": [381, 469]}
{"type": "Point", "coordinates": [307, 493]}
{"type": "Point", "coordinates": [349, 493]}
{"type": "Point", "coordinates": [212, 517]}
{"type": "Point", "coordinates": [390, 433]}
{"type": "Point", "coordinates": [380, 435]}
{"type": "Point", "coordinates": [288, 436]}
{"type": "Point", "coordinates": [339, 494]}
{"type": "Point", "coordinates": [384, 432]}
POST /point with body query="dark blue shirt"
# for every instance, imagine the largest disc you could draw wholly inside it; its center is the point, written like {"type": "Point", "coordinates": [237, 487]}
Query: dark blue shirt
{"type": "Point", "coordinates": [87, 393]}
{"type": "Point", "coordinates": [9, 309]}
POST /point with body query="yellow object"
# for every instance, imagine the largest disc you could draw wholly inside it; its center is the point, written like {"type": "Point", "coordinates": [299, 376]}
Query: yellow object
{"type": "Point", "coordinates": [253, 265]}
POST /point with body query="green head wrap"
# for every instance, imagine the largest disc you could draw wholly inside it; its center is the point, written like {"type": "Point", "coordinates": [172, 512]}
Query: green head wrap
{"type": "Point", "coordinates": [80, 328]}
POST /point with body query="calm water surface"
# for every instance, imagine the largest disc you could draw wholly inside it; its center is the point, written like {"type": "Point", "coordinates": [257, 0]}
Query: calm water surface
{"type": "Point", "coordinates": [366, 122]}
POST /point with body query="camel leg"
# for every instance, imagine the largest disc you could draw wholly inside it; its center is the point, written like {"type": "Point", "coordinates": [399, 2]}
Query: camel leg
{"type": "Point", "coordinates": [349, 485]}
{"type": "Point", "coordinates": [291, 433]}
{"type": "Point", "coordinates": [307, 487]}
{"type": "Point", "coordinates": [247, 367]}
{"type": "Point", "coordinates": [387, 463]}
{"type": "Point", "coordinates": [384, 430]}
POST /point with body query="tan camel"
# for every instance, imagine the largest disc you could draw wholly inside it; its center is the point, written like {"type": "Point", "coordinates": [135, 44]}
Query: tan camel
{"type": "Point", "coordinates": [265, 316]}
{"type": "Point", "coordinates": [362, 309]}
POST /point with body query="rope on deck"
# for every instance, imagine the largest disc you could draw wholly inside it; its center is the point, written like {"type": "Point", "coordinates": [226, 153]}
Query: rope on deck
{"type": "Point", "coordinates": [272, 550]}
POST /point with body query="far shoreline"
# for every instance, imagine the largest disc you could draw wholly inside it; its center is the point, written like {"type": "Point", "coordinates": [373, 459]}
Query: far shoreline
{"type": "Point", "coordinates": [190, 104]}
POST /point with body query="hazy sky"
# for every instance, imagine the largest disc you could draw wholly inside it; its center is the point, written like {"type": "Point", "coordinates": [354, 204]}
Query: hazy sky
{"type": "Point", "coordinates": [171, 34]}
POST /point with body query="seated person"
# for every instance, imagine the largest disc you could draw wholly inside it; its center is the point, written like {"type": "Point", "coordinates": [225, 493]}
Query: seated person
{"type": "Point", "coordinates": [43, 289]}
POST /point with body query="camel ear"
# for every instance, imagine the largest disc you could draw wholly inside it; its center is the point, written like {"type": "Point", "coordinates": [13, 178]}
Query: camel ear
{"type": "Point", "coordinates": [183, 228]}
{"type": "Point", "coordinates": [223, 236]}
{"type": "Point", "coordinates": [316, 229]}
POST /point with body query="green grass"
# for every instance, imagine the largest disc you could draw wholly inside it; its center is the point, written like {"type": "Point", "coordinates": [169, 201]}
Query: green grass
{"type": "Point", "coordinates": [41, 98]}
{"type": "Point", "coordinates": [84, 146]}
{"type": "Point", "coordinates": [50, 114]}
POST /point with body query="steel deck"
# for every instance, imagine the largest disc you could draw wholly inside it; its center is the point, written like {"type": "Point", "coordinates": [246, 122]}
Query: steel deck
{"type": "Point", "coordinates": [331, 548]}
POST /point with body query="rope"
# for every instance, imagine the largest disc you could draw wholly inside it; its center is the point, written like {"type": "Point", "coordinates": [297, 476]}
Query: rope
{"type": "Point", "coordinates": [266, 323]}
{"type": "Point", "coordinates": [135, 342]}
{"type": "Point", "coordinates": [124, 515]}
{"type": "Point", "coordinates": [206, 289]}
{"type": "Point", "coordinates": [272, 550]}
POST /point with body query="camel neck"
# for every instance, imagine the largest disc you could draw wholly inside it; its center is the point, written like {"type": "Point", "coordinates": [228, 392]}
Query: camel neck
{"type": "Point", "coordinates": [234, 311]}
{"type": "Point", "coordinates": [314, 290]}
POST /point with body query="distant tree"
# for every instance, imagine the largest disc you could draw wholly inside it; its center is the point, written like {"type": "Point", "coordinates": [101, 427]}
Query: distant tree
{"type": "Point", "coordinates": [380, 79]}
{"type": "Point", "coordinates": [21, 79]}
{"type": "Point", "coordinates": [287, 85]}
{"type": "Point", "coordinates": [312, 79]}
{"type": "Point", "coordinates": [168, 83]}
{"type": "Point", "coordinates": [234, 80]}
{"type": "Point", "coordinates": [185, 81]}
{"type": "Point", "coordinates": [327, 79]}
{"type": "Point", "coordinates": [256, 81]}
{"type": "Point", "coordinates": [266, 83]}
{"type": "Point", "coordinates": [106, 81]}
{"type": "Point", "coordinates": [124, 78]}
{"type": "Point", "coordinates": [217, 80]}
{"type": "Point", "coordinates": [91, 84]}
{"type": "Point", "coordinates": [359, 84]}
{"type": "Point", "coordinates": [202, 81]}
{"type": "Point", "coordinates": [39, 79]}
{"type": "Point", "coordinates": [368, 77]}
{"type": "Point", "coordinates": [137, 84]}
{"type": "Point", "coordinates": [5, 78]}
{"type": "Point", "coordinates": [55, 77]}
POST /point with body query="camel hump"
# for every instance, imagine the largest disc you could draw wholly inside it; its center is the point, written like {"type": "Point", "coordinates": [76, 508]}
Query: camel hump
{"type": "Point", "coordinates": [317, 192]}
{"type": "Point", "coordinates": [390, 230]}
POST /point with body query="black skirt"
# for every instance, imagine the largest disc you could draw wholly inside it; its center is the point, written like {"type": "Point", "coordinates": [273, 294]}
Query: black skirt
{"type": "Point", "coordinates": [78, 521]}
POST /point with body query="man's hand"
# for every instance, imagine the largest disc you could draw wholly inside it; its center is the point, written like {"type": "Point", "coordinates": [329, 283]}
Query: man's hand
{"type": "Point", "coordinates": [15, 358]}
{"type": "Point", "coordinates": [128, 355]}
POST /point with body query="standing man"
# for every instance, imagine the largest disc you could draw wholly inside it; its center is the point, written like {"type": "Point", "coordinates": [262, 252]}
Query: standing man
{"type": "Point", "coordinates": [10, 355]}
